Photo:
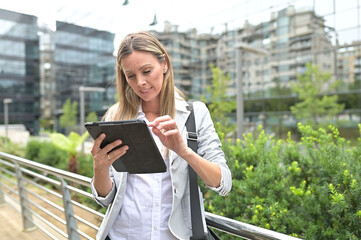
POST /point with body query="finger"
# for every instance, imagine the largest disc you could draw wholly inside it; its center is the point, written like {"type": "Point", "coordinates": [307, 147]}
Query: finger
{"type": "Point", "coordinates": [157, 132]}
{"type": "Point", "coordinates": [158, 120]}
{"type": "Point", "coordinates": [112, 145]}
{"type": "Point", "coordinates": [171, 132]}
{"type": "Point", "coordinates": [114, 155]}
{"type": "Point", "coordinates": [97, 142]}
{"type": "Point", "coordinates": [167, 125]}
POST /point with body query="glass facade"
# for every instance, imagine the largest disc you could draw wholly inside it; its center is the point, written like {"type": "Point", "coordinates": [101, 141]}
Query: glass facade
{"type": "Point", "coordinates": [84, 57]}
{"type": "Point", "coordinates": [19, 68]}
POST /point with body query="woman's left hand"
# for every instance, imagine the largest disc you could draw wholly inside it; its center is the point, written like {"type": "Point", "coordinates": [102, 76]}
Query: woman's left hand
{"type": "Point", "coordinates": [166, 129]}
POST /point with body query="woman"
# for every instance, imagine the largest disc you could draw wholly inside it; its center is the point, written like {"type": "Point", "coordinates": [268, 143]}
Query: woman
{"type": "Point", "coordinates": [154, 206]}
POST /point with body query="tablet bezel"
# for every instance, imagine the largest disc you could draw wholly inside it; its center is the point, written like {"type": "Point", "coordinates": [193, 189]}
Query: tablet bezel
{"type": "Point", "coordinates": [143, 155]}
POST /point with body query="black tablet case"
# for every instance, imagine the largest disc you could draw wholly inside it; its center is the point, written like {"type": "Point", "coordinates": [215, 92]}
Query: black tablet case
{"type": "Point", "coordinates": [142, 156]}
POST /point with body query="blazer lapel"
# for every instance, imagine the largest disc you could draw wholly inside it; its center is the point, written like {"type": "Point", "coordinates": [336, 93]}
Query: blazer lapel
{"type": "Point", "coordinates": [181, 117]}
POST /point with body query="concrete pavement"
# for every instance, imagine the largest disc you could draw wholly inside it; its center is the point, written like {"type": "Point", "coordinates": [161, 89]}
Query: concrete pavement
{"type": "Point", "coordinates": [12, 227]}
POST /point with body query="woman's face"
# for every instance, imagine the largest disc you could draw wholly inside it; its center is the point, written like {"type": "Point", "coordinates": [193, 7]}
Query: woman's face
{"type": "Point", "coordinates": [144, 74]}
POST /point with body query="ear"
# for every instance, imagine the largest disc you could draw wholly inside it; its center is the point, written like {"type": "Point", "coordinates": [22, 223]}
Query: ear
{"type": "Point", "coordinates": [165, 67]}
{"type": "Point", "coordinates": [165, 64]}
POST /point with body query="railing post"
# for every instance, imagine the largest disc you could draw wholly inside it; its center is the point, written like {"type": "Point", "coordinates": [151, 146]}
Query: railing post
{"type": "Point", "coordinates": [28, 224]}
{"type": "Point", "coordinates": [2, 198]}
{"type": "Point", "coordinates": [71, 225]}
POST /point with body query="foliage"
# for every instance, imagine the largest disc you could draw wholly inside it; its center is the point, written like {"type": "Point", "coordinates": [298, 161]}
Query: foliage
{"type": "Point", "coordinates": [69, 118]}
{"type": "Point", "coordinates": [220, 104]}
{"type": "Point", "coordinates": [92, 117]}
{"type": "Point", "coordinates": [69, 144]}
{"type": "Point", "coordinates": [11, 148]}
{"type": "Point", "coordinates": [45, 123]}
{"type": "Point", "coordinates": [312, 88]}
{"type": "Point", "coordinates": [46, 153]}
{"type": "Point", "coordinates": [279, 89]}
{"type": "Point", "coordinates": [308, 189]}
{"type": "Point", "coordinates": [86, 165]}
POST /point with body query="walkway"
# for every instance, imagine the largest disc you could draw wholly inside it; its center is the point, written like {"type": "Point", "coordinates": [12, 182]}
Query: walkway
{"type": "Point", "coordinates": [12, 227]}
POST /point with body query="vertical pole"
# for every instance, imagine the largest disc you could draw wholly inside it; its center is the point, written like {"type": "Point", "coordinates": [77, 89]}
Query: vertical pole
{"type": "Point", "coordinates": [71, 225]}
{"type": "Point", "coordinates": [28, 224]}
{"type": "Point", "coordinates": [6, 118]}
{"type": "Point", "coordinates": [2, 198]}
{"type": "Point", "coordinates": [239, 85]}
{"type": "Point", "coordinates": [82, 113]}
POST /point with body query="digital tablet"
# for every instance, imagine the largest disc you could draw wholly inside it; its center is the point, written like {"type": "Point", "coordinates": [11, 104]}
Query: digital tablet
{"type": "Point", "coordinates": [142, 156]}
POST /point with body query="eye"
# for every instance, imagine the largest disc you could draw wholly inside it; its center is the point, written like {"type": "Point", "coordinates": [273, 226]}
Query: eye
{"type": "Point", "coordinates": [147, 71]}
{"type": "Point", "coordinates": [130, 76]}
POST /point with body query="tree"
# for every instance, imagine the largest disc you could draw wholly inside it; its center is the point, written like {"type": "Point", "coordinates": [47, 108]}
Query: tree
{"type": "Point", "coordinates": [69, 118]}
{"type": "Point", "coordinates": [92, 117]}
{"type": "Point", "coordinates": [316, 106]}
{"type": "Point", "coordinates": [69, 144]}
{"type": "Point", "coordinates": [45, 123]}
{"type": "Point", "coordinates": [220, 104]}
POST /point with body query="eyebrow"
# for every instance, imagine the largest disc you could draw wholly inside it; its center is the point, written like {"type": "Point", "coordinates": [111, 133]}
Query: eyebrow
{"type": "Point", "coordinates": [145, 65]}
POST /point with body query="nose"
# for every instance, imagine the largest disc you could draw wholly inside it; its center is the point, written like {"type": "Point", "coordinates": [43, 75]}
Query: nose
{"type": "Point", "coordinates": [141, 81]}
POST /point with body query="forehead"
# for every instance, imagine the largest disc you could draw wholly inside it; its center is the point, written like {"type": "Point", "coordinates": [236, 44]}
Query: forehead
{"type": "Point", "coordinates": [138, 59]}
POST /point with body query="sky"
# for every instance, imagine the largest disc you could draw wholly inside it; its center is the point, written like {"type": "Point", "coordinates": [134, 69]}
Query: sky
{"type": "Point", "coordinates": [204, 15]}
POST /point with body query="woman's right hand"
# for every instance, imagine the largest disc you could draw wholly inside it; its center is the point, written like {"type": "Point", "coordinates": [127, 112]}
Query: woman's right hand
{"type": "Point", "coordinates": [103, 160]}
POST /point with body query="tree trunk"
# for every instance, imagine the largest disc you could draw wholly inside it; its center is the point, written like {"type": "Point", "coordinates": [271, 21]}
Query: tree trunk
{"type": "Point", "coordinates": [73, 164]}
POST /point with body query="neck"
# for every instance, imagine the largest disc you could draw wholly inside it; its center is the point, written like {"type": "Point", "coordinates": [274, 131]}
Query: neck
{"type": "Point", "coordinates": [152, 107]}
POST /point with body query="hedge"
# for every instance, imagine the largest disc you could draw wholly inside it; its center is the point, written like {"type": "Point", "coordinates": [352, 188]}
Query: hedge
{"type": "Point", "coordinates": [309, 189]}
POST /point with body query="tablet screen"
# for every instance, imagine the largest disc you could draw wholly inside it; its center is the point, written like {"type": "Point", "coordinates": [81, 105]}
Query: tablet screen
{"type": "Point", "coordinates": [143, 155]}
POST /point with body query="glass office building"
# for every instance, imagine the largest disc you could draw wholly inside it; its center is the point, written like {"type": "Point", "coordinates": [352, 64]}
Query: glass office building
{"type": "Point", "coordinates": [19, 68]}
{"type": "Point", "coordinates": [84, 57]}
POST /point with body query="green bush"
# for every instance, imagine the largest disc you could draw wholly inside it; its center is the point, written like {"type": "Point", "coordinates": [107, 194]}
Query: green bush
{"type": "Point", "coordinates": [86, 165]}
{"type": "Point", "coordinates": [46, 153]}
{"type": "Point", "coordinates": [310, 189]}
{"type": "Point", "coordinates": [11, 148]}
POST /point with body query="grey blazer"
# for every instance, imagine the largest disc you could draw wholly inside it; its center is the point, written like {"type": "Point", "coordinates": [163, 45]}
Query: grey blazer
{"type": "Point", "coordinates": [209, 147]}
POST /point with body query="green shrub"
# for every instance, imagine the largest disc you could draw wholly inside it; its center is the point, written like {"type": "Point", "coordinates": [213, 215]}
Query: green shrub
{"type": "Point", "coordinates": [11, 148]}
{"type": "Point", "coordinates": [310, 189]}
{"type": "Point", "coordinates": [46, 153]}
{"type": "Point", "coordinates": [86, 165]}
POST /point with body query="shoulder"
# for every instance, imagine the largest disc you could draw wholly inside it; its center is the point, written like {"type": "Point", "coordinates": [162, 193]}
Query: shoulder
{"type": "Point", "coordinates": [109, 115]}
{"type": "Point", "coordinates": [200, 107]}
{"type": "Point", "coordinates": [201, 113]}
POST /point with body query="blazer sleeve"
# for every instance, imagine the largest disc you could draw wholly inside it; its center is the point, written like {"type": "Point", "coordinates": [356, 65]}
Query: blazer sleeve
{"type": "Point", "coordinates": [210, 147]}
{"type": "Point", "coordinates": [105, 201]}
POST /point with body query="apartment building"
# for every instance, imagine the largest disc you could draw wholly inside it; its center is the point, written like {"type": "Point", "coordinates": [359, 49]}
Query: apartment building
{"type": "Point", "coordinates": [191, 54]}
{"type": "Point", "coordinates": [292, 38]}
{"type": "Point", "coordinates": [349, 64]}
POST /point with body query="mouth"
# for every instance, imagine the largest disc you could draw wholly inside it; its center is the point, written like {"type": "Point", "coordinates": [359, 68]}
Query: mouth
{"type": "Point", "coordinates": [145, 90]}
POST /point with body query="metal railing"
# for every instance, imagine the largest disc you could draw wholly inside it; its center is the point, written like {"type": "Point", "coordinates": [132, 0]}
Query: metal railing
{"type": "Point", "coordinates": [51, 200]}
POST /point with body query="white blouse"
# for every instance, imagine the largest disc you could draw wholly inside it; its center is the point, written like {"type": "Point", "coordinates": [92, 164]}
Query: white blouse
{"type": "Point", "coordinates": [147, 204]}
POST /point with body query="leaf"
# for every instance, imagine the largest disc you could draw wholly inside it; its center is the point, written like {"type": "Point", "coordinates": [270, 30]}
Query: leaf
{"type": "Point", "coordinates": [60, 140]}
{"type": "Point", "coordinates": [70, 143]}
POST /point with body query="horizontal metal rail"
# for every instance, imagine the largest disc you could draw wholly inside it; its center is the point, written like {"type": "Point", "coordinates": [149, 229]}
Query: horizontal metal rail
{"type": "Point", "coordinates": [47, 201]}
{"type": "Point", "coordinates": [49, 224]}
{"type": "Point", "coordinates": [244, 230]}
{"type": "Point", "coordinates": [47, 169]}
{"type": "Point", "coordinates": [51, 192]}
{"type": "Point", "coordinates": [54, 216]}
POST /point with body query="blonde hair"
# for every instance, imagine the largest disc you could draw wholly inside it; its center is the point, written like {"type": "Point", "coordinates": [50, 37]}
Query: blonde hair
{"type": "Point", "coordinates": [128, 105]}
